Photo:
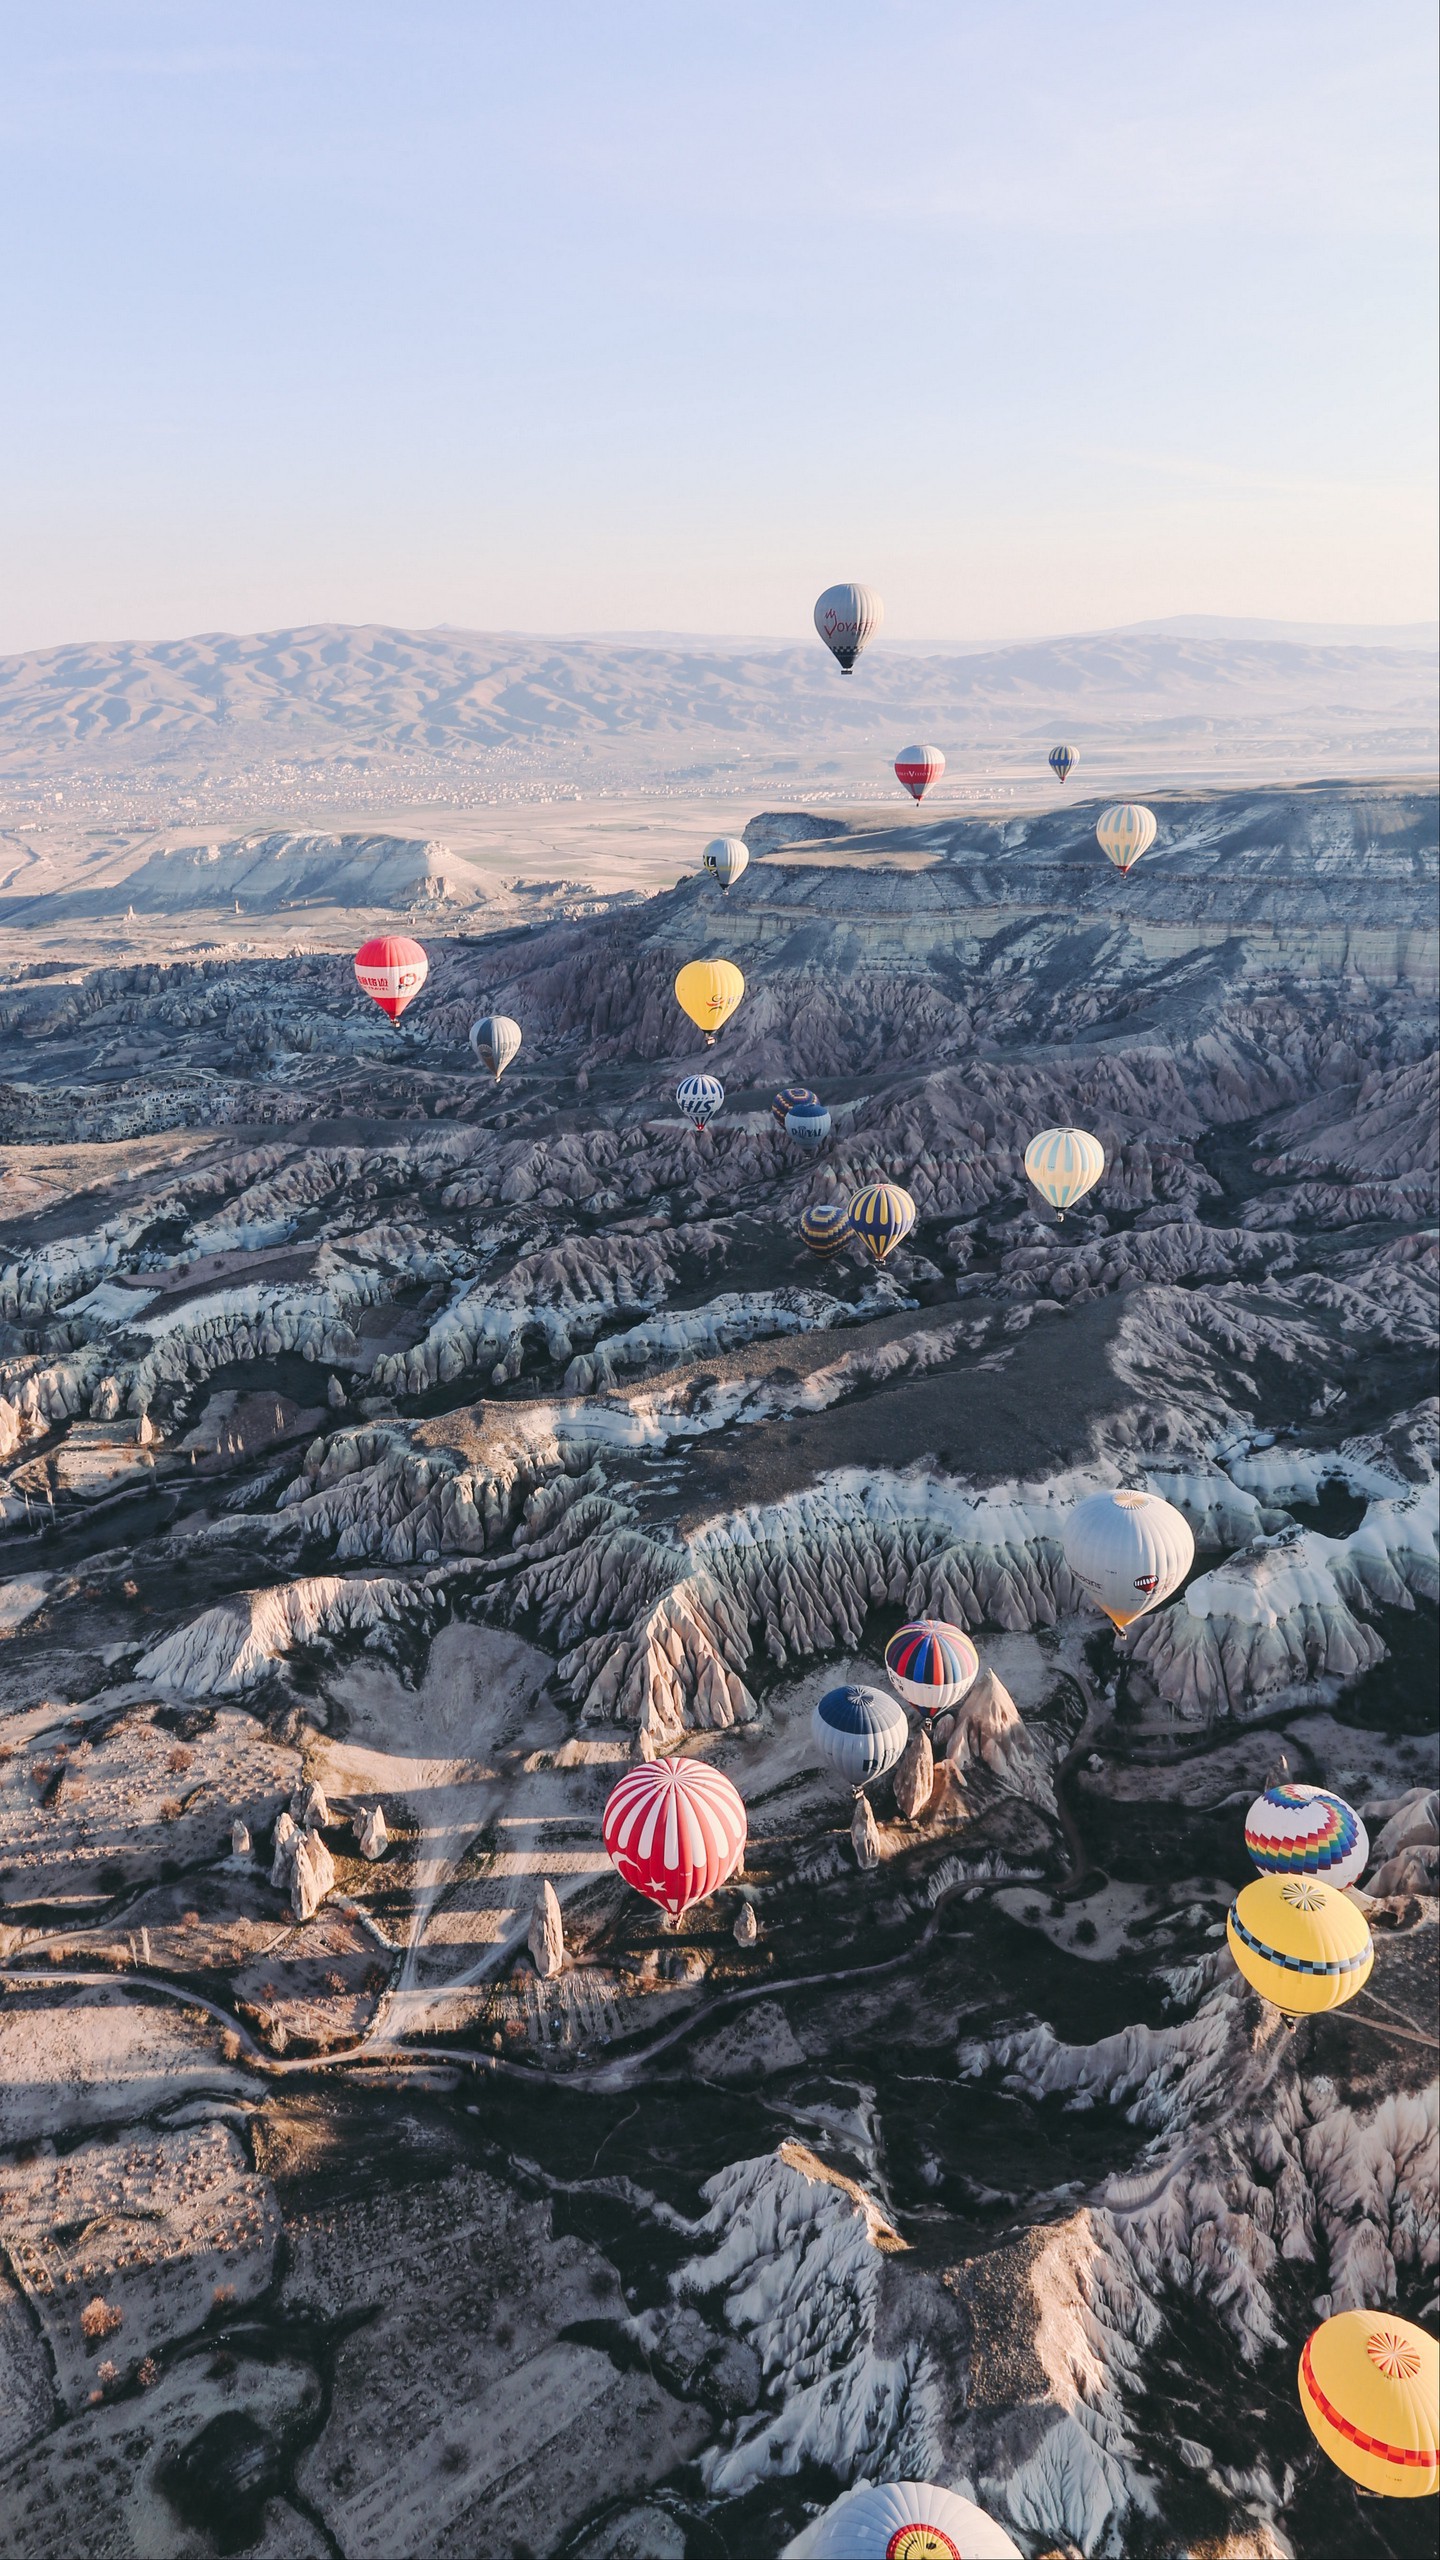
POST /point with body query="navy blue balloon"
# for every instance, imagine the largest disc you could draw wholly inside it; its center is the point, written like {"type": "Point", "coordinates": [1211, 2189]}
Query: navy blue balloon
{"type": "Point", "coordinates": [861, 1732]}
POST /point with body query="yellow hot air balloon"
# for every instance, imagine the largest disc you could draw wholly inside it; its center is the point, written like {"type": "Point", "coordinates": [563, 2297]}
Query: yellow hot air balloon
{"type": "Point", "coordinates": [1369, 2385]}
{"type": "Point", "coordinates": [1302, 1945]}
{"type": "Point", "coordinates": [709, 991]}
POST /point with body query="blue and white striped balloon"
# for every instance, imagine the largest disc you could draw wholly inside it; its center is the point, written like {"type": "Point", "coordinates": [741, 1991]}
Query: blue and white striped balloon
{"type": "Point", "coordinates": [1064, 1164]}
{"type": "Point", "coordinates": [1125, 832]}
{"type": "Point", "coordinates": [808, 1123]}
{"type": "Point", "coordinates": [700, 1097]}
{"type": "Point", "coordinates": [861, 1732]}
{"type": "Point", "coordinates": [1062, 762]}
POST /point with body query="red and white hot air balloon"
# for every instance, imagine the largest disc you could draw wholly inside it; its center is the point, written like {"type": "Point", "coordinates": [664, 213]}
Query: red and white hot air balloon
{"type": "Point", "coordinates": [917, 768]}
{"type": "Point", "coordinates": [392, 969]}
{"type": "Point", "coordinates": [675, 1829]}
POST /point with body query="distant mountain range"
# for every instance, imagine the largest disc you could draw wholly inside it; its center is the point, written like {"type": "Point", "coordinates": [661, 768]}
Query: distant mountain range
{"type": "Point", "coordinates": [330, 691]}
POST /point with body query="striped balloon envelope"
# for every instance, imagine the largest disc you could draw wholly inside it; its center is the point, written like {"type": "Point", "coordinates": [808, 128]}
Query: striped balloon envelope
{"type": "Point", "coordinates": [675, 1830]}
{"type": "Point", "coordinates": [902, 2520]}
{"type": "Point", "coordinates": [1370, 2393]}
{"type": "Point", "coordinates": [917, 768]}
{"type": "Point", "coordinates": [931, 1664]}
{"type": "Point", "coordinates": [1064, 1164]}
{"type": "Point", "coordinates": [1124, 833]}
{"type": "Point", "coordinates": [700, 1097]}
{"type": "Point", "coordinates": [860, 1732]}
{"type": "Point", "coordinates": [1307, 1831]}
{"type": "Point", "coordinates": [392, 970]}
{"type": "Point", "coordinates": [1062, 762]}
{"type": "Point", "coordinates": [808, 1123]}
{"type": "Point", "coordinates": [825, 1226]}
{"type": "Point", "coordinates": [882, 1217]}
{"type": "Point", "coordinates": [1301, 1944]}
{"type": "Point", "coordinates": [785, 1101]}
{"type": "Point", "coordinates": [495, 1040]}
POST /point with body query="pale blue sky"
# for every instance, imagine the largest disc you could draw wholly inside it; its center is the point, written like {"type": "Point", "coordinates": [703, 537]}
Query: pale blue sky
{"type": "Point", "coordinates": [664, 313]}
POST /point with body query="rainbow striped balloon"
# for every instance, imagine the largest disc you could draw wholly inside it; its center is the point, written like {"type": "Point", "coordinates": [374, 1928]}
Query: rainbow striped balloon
{"type": "Point", "coordinates": [1064, 1164]}
{"type": "Point", "coordinates": [931, 1664]}
{"type": "Point", "coordinates": [1307, 1831]}
{"type": "Point", "coordinates": [882, 1217]}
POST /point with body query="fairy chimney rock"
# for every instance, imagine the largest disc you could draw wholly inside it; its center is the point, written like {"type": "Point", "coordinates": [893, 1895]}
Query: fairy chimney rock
{"type": "Point", "coordinates": [865, 1833]}
{"type": "Point", "coordinates": [547, 1932]}
{"type": "Point", "coordinates": [915, 1776]}
{"type": "Point", "coordinates": [371, 1837]}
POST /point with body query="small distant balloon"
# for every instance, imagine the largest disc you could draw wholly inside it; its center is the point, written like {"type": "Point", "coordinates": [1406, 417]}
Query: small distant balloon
{"type": "Point", "coordinates": [785, 1101]}
{"type": "Point", "coordinates": [1062, 762]}
{"type": "Point", "coordinates": [700, 1097]}
{"type": "Point", "coordinates": [495, 1040]}
{"type": "Point", "coordinates": [392, 970]}
{"type": "Point", "coordinates": [881, 1217]}
{"type": "Point", "coordinates": [846, 617]}
{"type": "Point", "coordinates": [725, 857]}
{"type": "Point", "coordinates": [825, 1226]}
{"type": "Point", "coordinates": [808, 1123]}
{"type": "Point", "coordinates": [1064, 1164]}
{"type": "Point", "coordinates": [709, 991]}
{"type": "Point", "coordinates": [917, 768]}
{"type": "Point", "coordinates": [1124, 833]}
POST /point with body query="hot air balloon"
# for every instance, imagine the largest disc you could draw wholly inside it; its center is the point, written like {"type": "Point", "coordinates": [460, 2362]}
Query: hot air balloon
{"type": "Point", "coordinates": [1128, 1550]}
{"type": "Point", "coordinates": [931, 1664]}
{"type": "Point", "coordinates": [495, 1040]}
{"type": "Point", "coordinates": [726, 857]}
{"type": "Point", "coordinates": [825, 1226]}
{"type": "Point", "coordinates": [1064, 1164]}
{"type": "Point", "coordinates": [917, 768]}
{"type": "Point", "coordinates": [675, 1829]}
{"type": "Point", "coordinates": [1301, 1944]}
{"type": "Point", "coordinates": [808, 1123]}
{"type": "Point", "coordinates": [882, 1217]}
{"type": "Point", "coordinates": [785, 1101]}
{"type": "Point", "coordinates": [1124, 833]}
{"type": "Point", "coordinates": [709, 991]}
{"type": "Point", "coordinates": [1369, 2386]}
{"type": "Point", "coordinates": [860, 1732]}
{"type": "Point", "coordinates": [1307, 1831]}
{"type": "Point", "coordinates": [846, 617]}
{"type": "Point", "coordinates": [1062, 762]}
{"type": "Point", "coordinates": [902, 2520]}
{"type": "Point", "coordinates": [392, 969]}
{"type": "Point", "coordinates": [700, 1097]}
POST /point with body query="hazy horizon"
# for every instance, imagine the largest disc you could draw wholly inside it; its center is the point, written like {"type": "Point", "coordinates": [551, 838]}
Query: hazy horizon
{"type": "Point", "coordinates": [661, 322]}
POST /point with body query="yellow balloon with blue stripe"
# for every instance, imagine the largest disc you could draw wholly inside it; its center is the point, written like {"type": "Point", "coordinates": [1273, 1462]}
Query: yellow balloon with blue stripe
{"type": "Point", "coordinates": [881, 1217]}
{"type": "Point", "coordinates": [1301, 1944]}
{"type": "Point", "coordinates": [1064, 1164]}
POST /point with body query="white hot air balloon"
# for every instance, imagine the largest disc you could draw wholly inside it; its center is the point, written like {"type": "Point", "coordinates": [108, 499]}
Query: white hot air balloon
{"type": "Point", "coordinates": [495, 1040]}
{"type": "Point", "coordinates": [1125, 832]}
{"type": "Point", "coordinates": [725, 857]}
{"type": "Point", "coordinates": [846, 617]}
{"type": "Point", "coordinates": [1064, 1164]}
{"type": "Point", "coordinates": [1128, 1550]}
{"type": "Point", "coordinates": [902, 2520]}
